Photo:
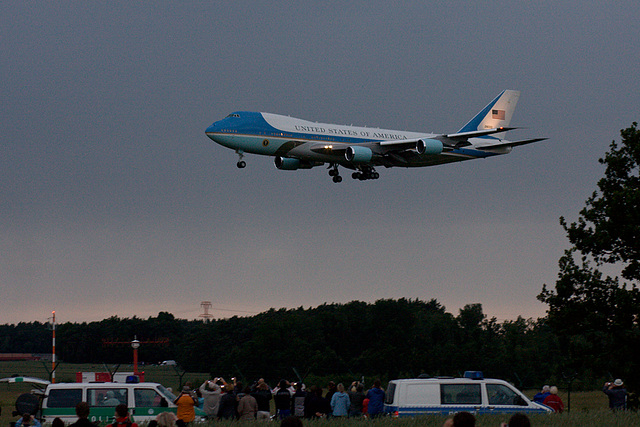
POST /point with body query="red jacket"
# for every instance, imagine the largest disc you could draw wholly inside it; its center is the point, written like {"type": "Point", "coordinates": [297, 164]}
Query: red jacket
{"type": "Point", "coordinates": [123, 422]}
{"type": "Point", "coordinates": [554, 402]}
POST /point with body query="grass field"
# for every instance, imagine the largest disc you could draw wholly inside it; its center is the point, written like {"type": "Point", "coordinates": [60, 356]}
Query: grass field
{"type": "Point", "coordinates": [587, 408]}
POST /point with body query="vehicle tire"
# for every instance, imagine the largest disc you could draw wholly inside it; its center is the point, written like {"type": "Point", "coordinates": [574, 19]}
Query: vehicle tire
{"type": "Point", "coordinates": [27, 404]}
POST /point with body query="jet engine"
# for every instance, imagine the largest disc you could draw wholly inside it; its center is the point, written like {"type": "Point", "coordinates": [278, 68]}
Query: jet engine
{"type": "Point", "coordinates": [290, 164]}
{"type": "Point", "coordinates": [429, 146]}
{"type": "Point", "coordinates": [357, 154]}
{"type": "Point", "coordinates": [287, 164]}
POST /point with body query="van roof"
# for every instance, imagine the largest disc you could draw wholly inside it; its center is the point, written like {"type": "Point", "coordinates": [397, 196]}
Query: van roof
{"type": "Point", "coordinates": [101, 384]}
{"type": "Point", "coordinates": [446, 379]}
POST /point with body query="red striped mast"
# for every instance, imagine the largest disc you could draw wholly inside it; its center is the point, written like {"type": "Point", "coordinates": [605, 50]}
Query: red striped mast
{"type": "Point", "coordinates": [53, 356]}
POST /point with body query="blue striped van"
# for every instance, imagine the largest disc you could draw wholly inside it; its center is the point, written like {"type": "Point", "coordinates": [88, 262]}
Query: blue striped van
{"type": "Point", "coordinates": [448, 395]}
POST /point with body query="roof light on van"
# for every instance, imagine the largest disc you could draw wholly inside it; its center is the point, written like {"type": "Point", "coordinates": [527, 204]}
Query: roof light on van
{"type": "Point", "coordinates": [474, 375]}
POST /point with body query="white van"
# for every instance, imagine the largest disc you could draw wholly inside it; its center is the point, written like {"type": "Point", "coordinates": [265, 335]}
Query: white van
{"type": "Point", "coordinates": [145, 400]}
{"type": "Point", "coordinates": [447, 395]}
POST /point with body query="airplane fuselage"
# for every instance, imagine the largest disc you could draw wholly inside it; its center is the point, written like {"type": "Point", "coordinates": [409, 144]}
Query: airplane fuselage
{"type": "Point", "coordinates": [277, 135]}
{"type": "Point", "coordinates": [303, 144]}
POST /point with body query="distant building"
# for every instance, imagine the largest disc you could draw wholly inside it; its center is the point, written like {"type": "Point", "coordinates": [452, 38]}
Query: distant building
{"type": "Point", "coordinates": [20, 356]}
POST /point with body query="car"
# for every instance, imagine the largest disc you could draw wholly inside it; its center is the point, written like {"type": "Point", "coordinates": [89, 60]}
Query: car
{"type": "Point", "coordinates": [145, 400]}
{"type": "Point", "coordinates": [448, 395]}
{"type": "Point", "coordinates": [168, 363]}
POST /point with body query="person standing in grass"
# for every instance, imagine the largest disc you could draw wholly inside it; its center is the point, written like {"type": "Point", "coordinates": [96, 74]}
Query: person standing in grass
{"type": "Point", "coordinates": [376, 400]}
{"type": "Point", "coordinates": [247, 406]}
{"type": "Point", "coordinates": [186, 402]}
{"type": "Point", "coordinates": [211, 392]}
{"type": "Point", "coordinates": [340, 402]}
{"type": "Point", "coordinates": [122, 417]}
{"type": "Point", "coordinates": [82, 411]}
{"type": "Point", "coordinates": [27, 420]}
{"type": "Point", "coordinates": [356, 397]}
{"type": "Point", "coordinates": [553, 400]}
{"type": "Point", "coordinates": [617, 394]}
{"type": "Point", "coordinates": [539, 397]}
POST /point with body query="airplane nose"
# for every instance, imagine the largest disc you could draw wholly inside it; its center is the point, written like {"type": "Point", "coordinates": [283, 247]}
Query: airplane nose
{"type": "Point", "coordinates": [211, 128]}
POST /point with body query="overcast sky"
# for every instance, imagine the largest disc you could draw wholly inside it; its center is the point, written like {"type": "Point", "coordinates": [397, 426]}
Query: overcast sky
{"type": "Point", "coordinates": [114, 202]}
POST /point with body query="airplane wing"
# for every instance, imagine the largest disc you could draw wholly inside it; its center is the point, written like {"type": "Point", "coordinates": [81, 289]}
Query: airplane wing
{"type": "Point", "coordinates": [423, 151]}
{"type": "Point", "coordinates": [507, 144]}
{"type": "Point", "coordinates": [477, 133]}
{"type": "Point", "coordinates": [451, 140]}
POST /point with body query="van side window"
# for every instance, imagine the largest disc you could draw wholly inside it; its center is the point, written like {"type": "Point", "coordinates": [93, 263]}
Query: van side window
{"type": "Point", "coordinates": [106, 396]}
{"type": "Point", "coordinates": [460, 394]}
{"type": "Point", "coordinates": [64, 398]}
{"type": "Point", "coordinates": [500, 394]}
{"type": "Point", "coordinates": [145, 398]}
{"type": "Point", "coordinates": [391, 391]}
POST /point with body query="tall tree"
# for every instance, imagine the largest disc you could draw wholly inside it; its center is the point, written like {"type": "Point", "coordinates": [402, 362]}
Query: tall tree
{"type": "Point", "coordinates": [597, 318]}
{"type": "Point", "coordinates": [608, 227]}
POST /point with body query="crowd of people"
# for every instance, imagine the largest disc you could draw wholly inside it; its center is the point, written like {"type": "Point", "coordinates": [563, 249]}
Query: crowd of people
{"type": "Point", "coordinates": [549, 396]}
{"type": "Point", "coordinates": [615, 391]}
{"type": "Point", "coordinates": [225, 401]}
{"type": "Point", "coordinates": [222, 400]}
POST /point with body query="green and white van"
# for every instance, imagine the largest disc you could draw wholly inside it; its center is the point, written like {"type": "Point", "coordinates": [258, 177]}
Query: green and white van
{"type": "Point", "coordinates": [145, 400]}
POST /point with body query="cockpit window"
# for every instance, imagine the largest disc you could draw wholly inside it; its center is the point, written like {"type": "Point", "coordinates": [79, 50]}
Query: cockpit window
{"type": "Point", "coordinates": [234, 115]}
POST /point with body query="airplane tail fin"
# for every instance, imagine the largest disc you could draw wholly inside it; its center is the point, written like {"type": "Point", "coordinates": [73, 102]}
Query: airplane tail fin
{"type": "Point", "coordinates": [495, 115]}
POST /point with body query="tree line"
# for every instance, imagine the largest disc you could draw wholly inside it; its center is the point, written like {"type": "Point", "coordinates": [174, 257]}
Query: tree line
{"type": "Point", "coordinates": [387, 339]}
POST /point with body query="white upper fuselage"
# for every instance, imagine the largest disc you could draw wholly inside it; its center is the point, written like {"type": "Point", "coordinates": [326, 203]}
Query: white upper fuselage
{"type": "Point", "coordinates": [277, 135]}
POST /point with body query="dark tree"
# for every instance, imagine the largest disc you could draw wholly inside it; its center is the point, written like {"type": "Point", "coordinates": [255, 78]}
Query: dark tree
{"type": "Point", "coordinates": [608, 228]}
{"type": "Point", "coordinates": [596, 318]}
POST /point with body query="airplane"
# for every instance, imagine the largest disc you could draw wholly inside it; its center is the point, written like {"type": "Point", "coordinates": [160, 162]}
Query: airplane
{"type": "Point", "coordinates": [301, 144]}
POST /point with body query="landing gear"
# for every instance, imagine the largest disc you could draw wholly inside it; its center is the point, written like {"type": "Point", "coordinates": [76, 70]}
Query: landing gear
{"type": "Point", "coordinates": [335, 173]}
{"type": "Point", "coordinates": [365, 172]}
{"type": "Point", "coordinates": [241, 163]}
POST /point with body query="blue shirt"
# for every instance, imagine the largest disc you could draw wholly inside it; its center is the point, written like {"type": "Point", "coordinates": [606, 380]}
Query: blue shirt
{"type": "Point", "coordinates": [541, 396]}
{"type": "Point", "coordinates": [376, 401]}
{"type": "Point", "coordinates": [340, 404]}
{"type": "Point", "coordinates": [33, 423]}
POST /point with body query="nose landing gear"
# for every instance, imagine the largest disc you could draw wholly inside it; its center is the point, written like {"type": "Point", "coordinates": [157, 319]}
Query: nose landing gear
{"type": "Point", "coordinates": [241, 163]}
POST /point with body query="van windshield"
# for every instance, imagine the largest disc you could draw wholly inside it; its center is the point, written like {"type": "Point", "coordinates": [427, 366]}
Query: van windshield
{"type": "Point", "coordinates": [391, 391]}
{"type": "Point", "coordinates": [502, 395]}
